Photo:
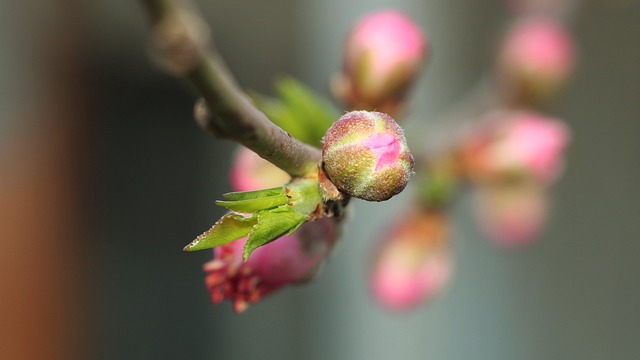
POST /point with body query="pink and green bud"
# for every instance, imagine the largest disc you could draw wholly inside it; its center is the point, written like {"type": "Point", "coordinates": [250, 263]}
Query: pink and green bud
{"type": "Point", "coordinates": [365, 155]}
{"type": "Point", "coordinates": [383, 54]}
{"type": "Point", "coordinates": [413, 263]}
{"type": "Point", "coordinates": [289, 260]}
{"type": "Point", "coordinates": [523, 143]}
{"type": "Point", "coordinates": [536, 59]}
{"type": "Point", "coordinates": [512, 215]}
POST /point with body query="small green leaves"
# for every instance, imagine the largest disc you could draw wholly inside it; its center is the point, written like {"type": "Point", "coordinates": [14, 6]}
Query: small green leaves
{"type": "Point", "coordinates": [262, 216]}
{"type": "Point", "coordinates": [252, 201]}
{"type": "Point", "coordinates": [256, 194]}
{"type": "Point", "coordinates": [298, 110]}
{"type": "Point", "coordinates": [230, 227]}
{"type": "Point", "coordinates": [271, 225]}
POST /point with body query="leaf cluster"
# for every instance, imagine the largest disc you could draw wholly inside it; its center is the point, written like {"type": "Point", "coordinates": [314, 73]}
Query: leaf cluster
{"type": "Point", "coordinates": [262, 215]}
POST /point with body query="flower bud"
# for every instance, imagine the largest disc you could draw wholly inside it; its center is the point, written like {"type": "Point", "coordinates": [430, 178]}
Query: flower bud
{"type": "Point", "coordinates": [536, 59]}
{"type": "Point", "coordinates": [365, 155]}
{"type": "Point", "coordinates": [383, 54]}
{"type": "Point", "coordinates": [512, 215]}
{"type": "Point", "coordinates": [413, 262]}
{"type": "Point", "coordinates": [522, 144]}
{"type": "Point", "coordinates": [291, 259]}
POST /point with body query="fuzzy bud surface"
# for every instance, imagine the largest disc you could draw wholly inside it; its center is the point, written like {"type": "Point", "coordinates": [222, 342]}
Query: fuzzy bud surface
{"type": "Point", "coordinates": [365, 155]}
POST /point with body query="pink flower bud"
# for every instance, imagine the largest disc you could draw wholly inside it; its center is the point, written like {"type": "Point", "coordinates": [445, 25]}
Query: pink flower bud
{"type": "Point", "coordinates": [365, 155]}
{"type": "Point", "coordinates": [413, 262]}
{"type": "Point", "coordinates": [536, 59]}
{"type": "Point", "coordinates": [533, 143]}
{"type": "Point", "coordinates": [251, 172]}
{"type": "Point", "coordinates": [523, 143]}
{"type": "Point", "coordinates": [290, 259]}
{"type": "Point", "coordinates": [512, 215]}
{"type": "Point", "coordinates": [383, 55]}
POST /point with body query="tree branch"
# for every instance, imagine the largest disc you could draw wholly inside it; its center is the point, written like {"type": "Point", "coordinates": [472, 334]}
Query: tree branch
{"type": "Point", "coordinates": [182, 40]}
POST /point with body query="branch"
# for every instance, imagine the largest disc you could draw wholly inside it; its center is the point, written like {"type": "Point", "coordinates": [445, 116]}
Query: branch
{"type": "Point", "coordinates": [182, 40]}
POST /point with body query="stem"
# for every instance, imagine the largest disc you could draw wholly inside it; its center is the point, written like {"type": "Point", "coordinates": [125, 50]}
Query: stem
{"type": "Point", "coordinates": [181, 37]}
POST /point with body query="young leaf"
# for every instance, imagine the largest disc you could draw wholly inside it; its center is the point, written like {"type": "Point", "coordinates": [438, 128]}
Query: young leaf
{"type": "Point", "coordinates": [305, 196]}
{"type": "Point", "coordinates": [298, 110]}
{"type": "Point", "coordinates": [280, 113]}
{"type": "Point", "coordinates": [307, 105]}
{"type": "Point", "coordinates": [256, 194]}
{"type": "Point", "coordinates": [253, 205]}
{"type": "Point", "coordinates": [230, 227]}
{"type": "Point", "coordinates": [272, 225]}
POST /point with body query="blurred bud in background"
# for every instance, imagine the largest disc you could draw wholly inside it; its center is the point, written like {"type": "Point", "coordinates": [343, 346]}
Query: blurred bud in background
{"type": "Point", "coordinates": [518, 144]}
{"type": "Point", "coordinates": [513, 165]}
{"type": "Point", "coordinates": [251, 172]}
{"type": "Point", "coordinates": [383, 54]}
{"type": "Point", "coordinates": [291, 259]}
{"type": "Point", "coordinates": [535, 60]}
{"type": "Point", "coordinates": [512, 214]}
{"type": "Point", "coordinates": [413, 262]}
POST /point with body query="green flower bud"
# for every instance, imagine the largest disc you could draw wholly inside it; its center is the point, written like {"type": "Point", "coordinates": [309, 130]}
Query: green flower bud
{"type": "Point", "coordinates": [365, 155]}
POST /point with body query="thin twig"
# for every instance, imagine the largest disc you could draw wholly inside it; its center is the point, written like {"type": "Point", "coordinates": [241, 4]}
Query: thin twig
{"type": "Point", "coordinates": [182, 40]}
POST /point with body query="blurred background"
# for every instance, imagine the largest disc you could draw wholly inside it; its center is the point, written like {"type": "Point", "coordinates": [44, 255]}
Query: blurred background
{"type": "Point", "coordinates": [104, 177]}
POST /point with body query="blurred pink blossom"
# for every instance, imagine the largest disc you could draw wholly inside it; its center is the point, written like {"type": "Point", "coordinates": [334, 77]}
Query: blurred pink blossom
{"type": "Point", "coordinates": [518, 143]}
{"type": "Point", "coordinates": [536, 58]}
{"type": "Point", "coordinates": [530, 142]}
{"type": "Point", "coordinates": [513, 162]}
{"type": "Point", "coordinates": [383, 55]}
{"type": "Point", "coordinates": [512, 215]}
{"type": "Point", "coordinates": [251, 172]}
{"type": "Point", "coordinates": [288, 260]}
{"type": "Point", "coordinates": [413, 262]}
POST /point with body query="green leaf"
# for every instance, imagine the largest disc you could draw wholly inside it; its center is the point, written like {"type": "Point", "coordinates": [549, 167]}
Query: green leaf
{"type": "Point", "coordinates": [279, 112]}
{"type": "Point", "coordinates": [272, 225]}
{"type": "Point", "coordinates": [253, 205]}
{"type": "Point", "coordinates": [256, 194]}
{"type": "Point", "coordinates": [298, 110]}
{"type": "Point", "coordinates": [307, 105]}
{"type": "Point", "coordinates": [275, 212]}
{"type": "Point", "coordinates": [305, 195]}
{"type": "Point", "coordinates": [229, 228]}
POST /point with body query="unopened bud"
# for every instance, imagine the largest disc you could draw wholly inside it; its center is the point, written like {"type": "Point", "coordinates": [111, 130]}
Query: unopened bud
{"type": "Point", "coordinates": [536, 59]}
{"type": "Point", "coordinates": [383, 55]}
{"type": "Point", "coordinates": [413, 263]}
{"type": "Point", "coordinates": [523, 144]}
{"type": "Point", "coordinates": [365, 155]}
{"type": "Point", "coordinates": [512, 215]}
{"type": "Point", "coordinates": [289, 260]}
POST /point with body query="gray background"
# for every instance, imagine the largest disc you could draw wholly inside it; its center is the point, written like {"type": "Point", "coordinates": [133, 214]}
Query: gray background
{"type": "Point", "coordinates": [572, 295]}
